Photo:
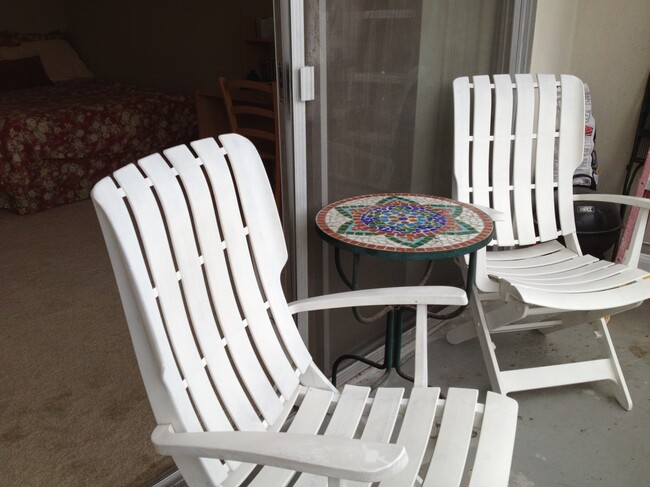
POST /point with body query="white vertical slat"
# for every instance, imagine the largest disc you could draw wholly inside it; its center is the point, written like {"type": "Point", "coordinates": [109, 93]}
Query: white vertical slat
{"type": "Point", "coordinates": [572, 138]}
{"type": "Point", "coordinates": [481, 141]}
{"type": "Point", "coordinates": [195, 291]}
{"type": "Point", "coordinates": [344, 423]}
{"type": "Point", "coordinates": [522, 169]}
{"type": "Point", "coordinates": [169, 400]}
{"type": "Point", "coordinates": [242, 270]}
{"type": "Point", "coordinates": [242, 473]}
{"type": "Point", "coordinates": [220, 286]}
{"type": "Point", "coordinates": [152, 232]}
{"type": "Point", "coordinates": [415, 433]}
{"type": "Point", "coordinates": [383, 414]}
{"type": "Point", "coordinates": [381, 420]}
{"type": "Point", "coordinates": [496, 442]}
{"type": "Point", "coordinates": [421, 378]}
{"type": "Point", "coordinates": [266, 237]}
{"type": "Point", "coordinates": [308, 420]}
{"type": "Point", "coordinates": [223, 298]}
{"type": "Point", "coordinates": [501, 151]}
{"type": "Point", "coordinates": [462, 105]}
{"type": "Point", "coordinates": [452, 445]}
{"type": "Point", "coordinates": [544, 156]}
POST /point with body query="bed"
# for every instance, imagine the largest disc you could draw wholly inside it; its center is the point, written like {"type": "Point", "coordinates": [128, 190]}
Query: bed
{"type": "Point", "coordinates": [61, 130]}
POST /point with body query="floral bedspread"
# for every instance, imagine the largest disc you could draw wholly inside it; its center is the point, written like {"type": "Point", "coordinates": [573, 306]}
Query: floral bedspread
{"type": "Point", "coordinates": [56, 142]}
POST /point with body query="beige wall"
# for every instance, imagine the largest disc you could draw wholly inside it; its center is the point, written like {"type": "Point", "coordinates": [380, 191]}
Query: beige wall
{"type": "Point", "coordinates": [607, 45]}
{"type": "Point", "coordinates": [156, 43]}
{"type": "Point", "coordinates": [32, 16]}
{"type": "Point", "coordinates": [163, 43]}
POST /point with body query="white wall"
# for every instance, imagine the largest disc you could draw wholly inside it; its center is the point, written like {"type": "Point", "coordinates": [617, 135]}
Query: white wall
{"type": "Point", "coordinates": [607, 45]}
{"type": "Point", "coordinates": [555, 27]}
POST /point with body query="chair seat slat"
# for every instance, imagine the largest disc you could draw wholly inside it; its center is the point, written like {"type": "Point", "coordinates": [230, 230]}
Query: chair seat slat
{"type": "Point", "coordinates": [415, 433]}
{"type": "Point", "coordinates": [308, 420]}
{"type": "Point", "coordinates": [577, 265]}
{"type": "Point", "coordinates": [494, 446]}
{"type": "Point", "coordinates": [601, 300]}
{"type": "Point", "coordinates": [577, 275]}
{"type": "Point", "coordinates": [383, 415]}
{"type": "Point", "coordinates": [525, 252]}
{"type": "Point", "coordinates": [344, 423]}
{"type": "Point", "coordinates": [452, 445]}
{"type": "Point", "coordinates": [540, 261]}
{"type": "Point", "coordinates": [622, 276]}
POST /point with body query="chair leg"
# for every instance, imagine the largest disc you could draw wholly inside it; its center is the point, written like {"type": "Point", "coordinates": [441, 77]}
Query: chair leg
{"type": "Point", "coordinates": [487, 346]}
{"type": "Point", "coordinates": [504, 382]}
{"type": "Point", "coordinates": [461, 333]}
{"type": "Point", "coordinates": [622, 393]}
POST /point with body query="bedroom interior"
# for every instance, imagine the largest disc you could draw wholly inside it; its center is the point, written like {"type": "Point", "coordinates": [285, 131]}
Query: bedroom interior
{"type": "Point", "coordinates": [72, 416]}
{"type": "Point", "coordinates": [64, 336]}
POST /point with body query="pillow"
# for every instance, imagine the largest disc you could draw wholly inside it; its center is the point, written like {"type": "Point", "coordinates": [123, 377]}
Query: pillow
{"type": "Point", "coordinates": [16, 74]}
{"type": "Point", "coordinates": [11, 38]}
{"type": "Point", "coordinates": [59, 59]}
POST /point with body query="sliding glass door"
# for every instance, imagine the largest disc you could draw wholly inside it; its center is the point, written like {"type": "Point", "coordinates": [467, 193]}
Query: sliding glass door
{"type": "Point", "coordinates": [380, 121]}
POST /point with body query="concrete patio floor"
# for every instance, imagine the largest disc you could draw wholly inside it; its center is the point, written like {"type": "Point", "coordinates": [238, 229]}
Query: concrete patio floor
{"type": "Point", "coordinates": [576, 436]}
{"type": "Point", "coordinates": [567, 436]}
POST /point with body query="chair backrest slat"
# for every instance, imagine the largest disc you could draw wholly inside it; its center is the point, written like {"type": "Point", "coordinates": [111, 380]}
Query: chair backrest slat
{"type": "Point", "coordinates": [182, 225]}
{"type": "Point", "coordinates": [501, 156]}
{"type": "Point", "coordinates": [164, 274]}
{"type": "Point", "coordinates": [570, 153]}
{"type": "Point", "coordinates": [533, 155]}
{"type": "Point", "coordinates": [522, 164]}
{"type": "Point", "coordinates": [481, 133]}
{"type": "Point", "coordinates": [462, 112]}
{"type": "Point", "coordinates": [544, 157]}
{"type": "Point", "coordinates": [265, 235]}
{"type": "Point", "coordinates": [243, 270]}
{"type": "Point", "coordinates": [216, 344]}
{"type": "Point", "coordinates": [165, 387]}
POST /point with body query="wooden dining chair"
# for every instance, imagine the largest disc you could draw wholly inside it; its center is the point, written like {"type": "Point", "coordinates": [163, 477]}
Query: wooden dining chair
{"type": "Point", "coordinates": [252, 111]}
{"type": "Point", "coordinates": [197, 249]}
{"type": "Point", "coordinates": [517, 143]}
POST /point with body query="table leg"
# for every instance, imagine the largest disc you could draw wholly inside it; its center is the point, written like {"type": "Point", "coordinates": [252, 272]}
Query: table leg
{"type": "Point", "coordinates": [394, 318]}
{"type": "Point", "coordinates": [389, 351]}
{"type": "Point", "coordinates": [469, 284]}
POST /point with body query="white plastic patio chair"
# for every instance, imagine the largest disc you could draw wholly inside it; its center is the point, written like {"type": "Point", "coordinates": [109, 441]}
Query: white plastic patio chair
{"type": "Point", "coordinates": [197, 249]}
{"type": "Point", "coordinates": [507, 135]}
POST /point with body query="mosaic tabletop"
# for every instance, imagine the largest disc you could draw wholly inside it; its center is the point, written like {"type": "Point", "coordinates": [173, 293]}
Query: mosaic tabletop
{"type": "Point", "coordinates": [405, 226]}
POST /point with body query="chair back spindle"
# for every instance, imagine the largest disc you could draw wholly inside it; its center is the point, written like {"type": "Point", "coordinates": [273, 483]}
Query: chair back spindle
{"type": "Point", "coordinates": [227, 355]}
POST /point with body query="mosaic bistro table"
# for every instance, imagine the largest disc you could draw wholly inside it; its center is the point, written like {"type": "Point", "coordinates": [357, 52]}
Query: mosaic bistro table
{"type": "Point", "coordinates": [406, 227]}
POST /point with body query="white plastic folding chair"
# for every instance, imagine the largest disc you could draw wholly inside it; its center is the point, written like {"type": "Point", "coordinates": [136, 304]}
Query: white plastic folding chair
{"type": "Point", "coordinates": [517, 144]}
{"type": "Point", "coordinates": [197, 249]}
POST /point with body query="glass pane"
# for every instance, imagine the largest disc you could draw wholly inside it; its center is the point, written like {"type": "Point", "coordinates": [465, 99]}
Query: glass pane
{"type": "Point", "coordinates": [382, 122]}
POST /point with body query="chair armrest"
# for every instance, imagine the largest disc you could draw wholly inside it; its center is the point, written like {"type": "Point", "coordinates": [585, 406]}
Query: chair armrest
{"type": "Point", "coordinates": [643, 203]}
{"type": "Point", "coordinates": [414, 295]}
{"type": "Point", "coordinates": [496, 215]}
{"type": "Point", "coordinates": [330, 456]}
{"type": "Point", "coordinates": [642, 207]}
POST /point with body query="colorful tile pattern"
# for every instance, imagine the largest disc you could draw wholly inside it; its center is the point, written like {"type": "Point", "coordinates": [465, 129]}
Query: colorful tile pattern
{"type": "Point", "coordinates": [406, 223]}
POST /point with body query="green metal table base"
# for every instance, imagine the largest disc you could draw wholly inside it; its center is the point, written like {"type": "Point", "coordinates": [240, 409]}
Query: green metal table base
{"type": "Point", "coordinates": [394, 318]}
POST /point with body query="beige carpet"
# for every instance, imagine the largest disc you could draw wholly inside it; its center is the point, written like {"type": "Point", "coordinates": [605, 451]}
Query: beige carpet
{"type": "Point", "coordinates": [73, 408]}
